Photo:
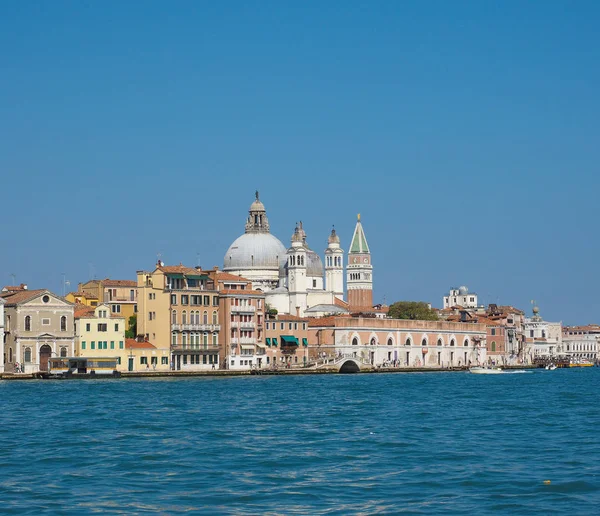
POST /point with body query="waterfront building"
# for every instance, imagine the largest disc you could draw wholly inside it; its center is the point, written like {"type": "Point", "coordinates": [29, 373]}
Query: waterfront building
{"type": "Point", "coordinates": [2, 353]}
{"type": "Point", "coordinates": [120, 295]}
{"type": "Point", "coordinates": [581, 343]}
{"type": "Point", "coordinates": [403, 343]}
{"type": "Point", "coordinates": [99, 333]}
{"type": "Point", "coordinates": [82, 298]}
{"type": "Point", "coordinates": [286, 338]}
{"type": "Point", "coordinates": [460, 297]}
{"type": "Point", "coordinates": [543, 339]}
{"type": "Point", "coordinates": [38, 325]}
{"type": "Point", "coordinates": [294, 279]}
{"type": "Point", "coordinates": [178, 309]}
{"type": "Point", "coordinates": [242, 313]}
{"type": "Point", "coordinates": [141, 355]}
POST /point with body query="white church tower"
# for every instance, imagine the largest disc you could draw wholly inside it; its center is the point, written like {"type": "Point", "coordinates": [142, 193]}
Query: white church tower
{"type": "Point", "coordinates": [297, 267]}
{"type": "Point", "coordinates": [334, 266]}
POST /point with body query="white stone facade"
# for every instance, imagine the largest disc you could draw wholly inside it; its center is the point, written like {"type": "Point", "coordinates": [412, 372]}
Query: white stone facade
{"type": "Point", "coordinates": [460, 297]}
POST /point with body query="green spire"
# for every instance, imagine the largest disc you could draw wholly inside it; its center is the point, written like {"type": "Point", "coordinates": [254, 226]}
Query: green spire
{"type": "Point", "coordinates": [359, 241]}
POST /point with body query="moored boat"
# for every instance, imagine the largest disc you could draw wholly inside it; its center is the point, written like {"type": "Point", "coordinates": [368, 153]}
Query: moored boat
{"type": "Point", "coordinates": [485, 370]}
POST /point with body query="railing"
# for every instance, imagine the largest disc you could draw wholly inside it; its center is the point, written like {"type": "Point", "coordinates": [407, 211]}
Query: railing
{"type": "Point", "coordinates": [196, 327]}
{"type": "Point", "coordinates": [196, 347]}
{"type": "Point", "coordinates": [245, 324]}
{"type": "Point", "coordinates": [242, 340]}
{"type": "Point", "coordinates": [247, 308]}
{"type": "Point", "coordinates": [119, 300]}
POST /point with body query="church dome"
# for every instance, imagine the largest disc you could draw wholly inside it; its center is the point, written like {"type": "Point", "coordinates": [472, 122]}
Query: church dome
{"type": "Point", "coordinates": [314, 265]}
{"type": "Point", "coordinates": [255, 251]}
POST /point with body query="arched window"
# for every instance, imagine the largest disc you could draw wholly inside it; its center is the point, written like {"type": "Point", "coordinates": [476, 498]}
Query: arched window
{"type": "Point", "coordinates": [355, 341]}
{"type": "Point", "coordinates": [452, 342]}
{"type": "Point", "coordinates": [184, 317]}
{"type": "Point", "coordinates": [215, 317]}
{"type": "Point", "coordinates": [63, 352]}
{"type": "Point", "coordinates": [184, 339]}
{"type": "Point", "coordinates": [174, 339]}
{"type": "Point", "coordinates": [205, 339]}
{"type": "Point", "coordinates": [27, 355]}
{"type": "Point", "coordinates": [174, 317]}
{"type": "Point", "coordinates": [494, 346]}
{"type": "Point", "coordinates": [215, 342]}
{"type": "Point", "coordinates": [27, 323]}
{"type": "Point", "coordinates": [373, 341]}
{"type": "Point", "coordinates": [390, 342]}
{"type": "Point", "coordinates": [439, 342]}
{"type": "Point", "coordinates": [408, 342]}
{"type": "Point", "coordinates": [466, 342]}
{"type": "Point", "coordinates": [205, 317]}
{"type": "Point", "coordinates": [63, 324]}
{"type": "Point", "coordinates": [424, 342]}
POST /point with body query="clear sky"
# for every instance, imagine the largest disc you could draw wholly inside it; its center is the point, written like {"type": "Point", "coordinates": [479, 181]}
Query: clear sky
{"type": "Point", "coordinates": [465, 133]}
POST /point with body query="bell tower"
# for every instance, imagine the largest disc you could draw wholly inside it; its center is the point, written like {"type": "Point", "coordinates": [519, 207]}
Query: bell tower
{"type": "Point", "coordinates": [297, 269]}
{"type": "Point", "coordinates": [334, 266]}
{"type": "Point", "coordinates": [359, 275]}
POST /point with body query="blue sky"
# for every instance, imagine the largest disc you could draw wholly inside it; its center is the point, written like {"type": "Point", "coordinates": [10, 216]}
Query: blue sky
{"type": "Point", "coordinates": [465, 133]}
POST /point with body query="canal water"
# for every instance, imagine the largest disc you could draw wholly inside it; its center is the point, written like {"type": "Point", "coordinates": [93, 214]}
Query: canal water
{"type": "Point", "coordinates": [429, 443]}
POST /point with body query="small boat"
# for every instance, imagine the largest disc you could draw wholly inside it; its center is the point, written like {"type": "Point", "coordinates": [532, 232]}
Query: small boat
{"type": "Point", "coordinates": [486, 370]}
{"type": "Point", "coordinates": [550, 367]}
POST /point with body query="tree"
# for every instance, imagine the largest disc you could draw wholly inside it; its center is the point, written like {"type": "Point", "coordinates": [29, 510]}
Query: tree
{"type": "Point", "coordinates": [415, 310]}
{"type": "Point", "coordinates": [270, 310]}
{"type": "Point", "coordinates": [132, 331]}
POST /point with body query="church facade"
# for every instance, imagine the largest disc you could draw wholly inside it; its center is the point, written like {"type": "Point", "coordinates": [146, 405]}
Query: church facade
{"type": "Point", "coordinates": [294, 279]}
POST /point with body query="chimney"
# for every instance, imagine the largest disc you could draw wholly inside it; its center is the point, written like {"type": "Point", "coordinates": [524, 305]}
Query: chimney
{"type": "Point", "coordinates": [297, 311]}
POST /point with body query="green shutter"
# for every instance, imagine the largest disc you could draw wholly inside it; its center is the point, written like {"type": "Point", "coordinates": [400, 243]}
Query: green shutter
{"type": "Point", "coordinates": [112, 344]}
{"type": "Point", "coordinates": [305, 342]}
{"type": "Point", "coordinates": [274, 341]}
{"type": "Point", "coordinates": [93, 346]}
{"type": "Point", "coordinates": [83, 345]}
{"type": "Point", "coordinates": [120, 344]}
{"type": "Point", "coordinates": [268, 341]}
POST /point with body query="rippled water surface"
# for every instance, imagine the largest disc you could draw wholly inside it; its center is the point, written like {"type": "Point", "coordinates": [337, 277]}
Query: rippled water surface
{"type": "Point", "coordinates": [332, 444]}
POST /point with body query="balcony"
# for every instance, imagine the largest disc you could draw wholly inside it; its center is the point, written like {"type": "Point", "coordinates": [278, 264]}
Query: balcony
{"type": "Point", "coordinates": [243, 340]}
{"type": "Point", "coordinates": [245, 325]}
{"type": "Point", "coordinates": [243, 309]}
{"type": "Point", "coordinates": [196, 327]}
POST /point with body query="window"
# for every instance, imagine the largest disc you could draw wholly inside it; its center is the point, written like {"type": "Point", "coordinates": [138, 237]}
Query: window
{"type": "Point", "coordinates": [185, 300]}
{"type": "Point", "coordinates": [314, 283]}
{"type": "Point", "coordinates": [215, 317]}
{"type": "Point", "coordinates": [63, 352]}
{"type": "Point", "coordinates": [355, 341]}
{"type": "Point", "coordinates": [184, 318]}
{"type": "Point", "coordinates": [132, 295]}
{"type": "Point", "coordinates": [390, 342]}
{"type": "Point", "coordinates": [494, 346]}
{"type": "Point", "coordinates": [120, 344]}
{"type": "Point", "coordinates": [289, 326]}
{"type": "Point", "coordinates": [493, 331]}
{"type": "Point", "coordinates": [27, 323]}
{"type": "Point", "coordinates": [452, 342]}
{"type": "Point", "coordinates": [206, 300]}
{"type": "Point", "coordinates": [46, 322]}
{"type": "Point", "coordinates": [216, 301]}
{"type": "Point", "coordinates": [408, 342]}
{"type": "Point", "coordinates": [164, 361]}
{"type": "Point", "coordinates": [46, 299]}
{"type": "Point", "coordinates": [63, 323]}
{"type": "Point", "coordinates": [373, 341]}
{"type": "Point", "coordinates": [83, 345]}
{"type": "Point", "coordinates": [205, 317]}
{"type": "Point", "coordinates": [466, 342]}
{"type": "Point", "coordinates": [173, 299]}
{"type": "Point", "coordinates": [531, 333]}
{"type": "Point", "coordinates": [116, 309]}
{"type": "Point", "coordinates": [439, 342]}
{"type": "Point", "coordinates": [102, 327]}
{"type": "Point", "coordinates": [143, 360]}
{"type": "Point", "coordinates": [174, 339]}
{"type": "Point", "coordinates": [215, 343]}
{"type": "Point", "coordinates": [27, 354]}
{"type": "Point", "coordinates": [283, 326]}
{"type": "Point", "coordinates": [184, 339]}
{"type": "Point", "coordinates": [93, 345]}
{"type": "Point", "coordinates": [424, 342]}
{"type": "Point", "coordinates": [112, 344]}
{"type": "Point", "coordinates": [154, 360]}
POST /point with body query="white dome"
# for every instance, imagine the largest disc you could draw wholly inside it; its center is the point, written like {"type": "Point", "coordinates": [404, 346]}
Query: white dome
{"type": "Point", "coordinates": [463, 291]}
{"type": "Point", "coordinates": [255, 251]}
{"type": "Point", "coordinates": [315, 265]}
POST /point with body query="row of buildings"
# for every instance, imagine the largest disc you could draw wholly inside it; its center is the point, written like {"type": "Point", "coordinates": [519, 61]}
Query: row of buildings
{"type": "Point", "coordinates": [268, 306]}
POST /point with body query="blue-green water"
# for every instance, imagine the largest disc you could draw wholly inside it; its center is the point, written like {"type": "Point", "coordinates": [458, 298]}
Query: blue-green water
{"type": "Point", "coordinates": [334, 444]}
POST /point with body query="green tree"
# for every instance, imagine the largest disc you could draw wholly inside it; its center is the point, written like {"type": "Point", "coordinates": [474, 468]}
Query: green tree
{"type": "Point", "coordinates": [132, 331]}
{"type": "Point", "coordinates": [415, 310]}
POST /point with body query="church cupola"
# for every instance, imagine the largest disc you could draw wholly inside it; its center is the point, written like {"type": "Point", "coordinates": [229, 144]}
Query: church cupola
{"type": "Point", "coordinates": [359, 275]}
{"type": "Point", "coordinates": [257, 217]}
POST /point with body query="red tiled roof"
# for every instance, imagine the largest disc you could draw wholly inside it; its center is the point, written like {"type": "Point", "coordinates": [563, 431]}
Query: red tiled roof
{"type": "Point", "coordinates": [134, 344]}
{"type": "Point", "coordinates": [83, 311]}
{"type": "Point", "coordinates": [289, 317]}
{"type": "Point", "coordinates": [242, 292]}
{"type": "Point", "coordinates": [322, 321]}
{"type": "Point", "coordinates": [225, 276]}
{"type": "Point", "coordinates": [9, 288]}
{"type": "Point", "coordinates": [82, 294]}
{"type": "Point", "coordinates": [179, 269]}
{"type": "Point", "coordinates": [119, 283]}
{"type": "Point", "coordinates": [339, 302]}
{"type": "Point", "coordinates": [14, 298]}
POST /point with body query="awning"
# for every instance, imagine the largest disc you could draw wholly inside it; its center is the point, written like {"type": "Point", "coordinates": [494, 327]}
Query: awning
{"type": "Point", "coordinates": [260, 345]}
{"type": "Point", "coordinates": [274, 340]}
{"type": "Point", "coordinates": [175, 275]}
{"type": "Point", "coordinates": [247, 346]}
{"type": "Point", "coordinates": [196, 276]}
{"type": "Point", "coordinates": [268, 341]}
{"type": "Point", "coordinates": [305, 342]}
{"type": "Point", "coordinates": [289, 340]}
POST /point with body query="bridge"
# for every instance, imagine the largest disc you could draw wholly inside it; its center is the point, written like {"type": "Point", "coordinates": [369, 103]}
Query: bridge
{"type": "Point", "coordinates": [345, 363]}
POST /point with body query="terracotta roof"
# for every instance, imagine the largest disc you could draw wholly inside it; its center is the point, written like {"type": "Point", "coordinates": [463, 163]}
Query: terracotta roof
{"type": "Point", "coordinates": [119, 283]}
{"type": "Point", "coordinates": [14, 298]}
{"type": "Point", "coordinates": [179, 269]}
{"type": "Point", "coordinates": [83, 311]}
{"type": "Point", "coordinates": [134, 344]}
{"type": "Point", "coordinates": [339, 302]}
{"type": "Point", "coordinates": [9, 288]}
{"type": "Point", "coordinates": [242, 292]}
{"type": "Point", "coordinates": [225, 276]}
{"type": "Point", "coordinates": [322, 321]}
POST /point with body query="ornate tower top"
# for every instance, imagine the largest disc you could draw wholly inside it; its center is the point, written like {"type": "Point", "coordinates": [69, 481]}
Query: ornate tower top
{"type": "Point", "coordinates": [359, 241]}
{"type": "Point", "coordinates": [257, 219]}
{"type": "Point", "coordinates": [333, 238]}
